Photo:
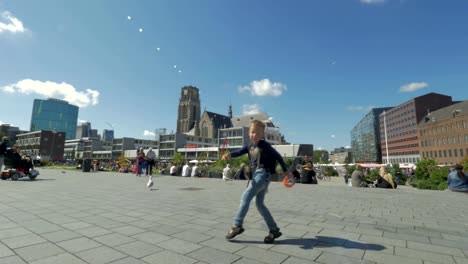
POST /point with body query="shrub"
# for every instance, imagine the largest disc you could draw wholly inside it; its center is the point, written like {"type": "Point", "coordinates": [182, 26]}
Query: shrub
{"type": "Point", "coordinates": [429, 176]}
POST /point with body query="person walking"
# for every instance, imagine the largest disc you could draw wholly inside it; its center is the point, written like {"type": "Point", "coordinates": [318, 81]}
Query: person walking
{"type": "Point", "coordinates": [150, 161]}
{"type": "Point", "coordinates": [140, 159]}
{"type": "Point", "coordinates": [263, 158]}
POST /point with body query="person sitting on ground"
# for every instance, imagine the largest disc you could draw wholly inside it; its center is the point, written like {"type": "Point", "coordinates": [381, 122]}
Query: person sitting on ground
{"type": "Point", "coordinates": [458, 180]}
{"type": "Point", "coordinates": [308, 175]}
{"type": "Point", "coordinates": [357, 177]}
{"type": "Point", "coordinates": [385, 179]}
{"type": "Point", "coordinates": [195, 171]}
{"type": "Point", "coordinates": [186, 170]}
{"type": "Point", "coordinates": [173, 170]}
{"type": "Point", "coordinates": [241, 173]}
{"type": "Point", "coordinates": [227, 174]}
{"type": "Point", "coordinates": [296, 172]}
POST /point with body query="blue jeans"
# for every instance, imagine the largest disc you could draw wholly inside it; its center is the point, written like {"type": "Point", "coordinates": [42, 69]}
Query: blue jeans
{"type": "Point", "coordinates": [257, 188]}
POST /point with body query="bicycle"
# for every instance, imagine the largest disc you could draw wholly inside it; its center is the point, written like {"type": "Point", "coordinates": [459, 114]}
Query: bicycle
{"type": "Point", "coordinates": [322, 176]}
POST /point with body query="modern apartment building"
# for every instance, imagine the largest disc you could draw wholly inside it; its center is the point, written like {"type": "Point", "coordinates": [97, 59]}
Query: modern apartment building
{"type": "Point", "coordinates": [54, 115]}
{"type": "Point", "coordinates": [443, 134]}
{"type": "Point", "coordinates": [398, 127]}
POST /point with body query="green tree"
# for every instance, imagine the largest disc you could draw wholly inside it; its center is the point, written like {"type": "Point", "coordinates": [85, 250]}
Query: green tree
{"type": "Point", "coordinates": [464, 162]}
{"type": "Point", "coordinates": [346, 160]}
{"type": "Point", "coordinates": [179, 158]}
{"type": "Point", "coordinates": [320, 156]}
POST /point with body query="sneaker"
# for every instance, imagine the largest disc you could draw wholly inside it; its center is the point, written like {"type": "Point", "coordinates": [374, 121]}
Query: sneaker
{"type": "Point", "coordinates": [235, 230]}
{"type": "Point", "coordinates": [272, 236]}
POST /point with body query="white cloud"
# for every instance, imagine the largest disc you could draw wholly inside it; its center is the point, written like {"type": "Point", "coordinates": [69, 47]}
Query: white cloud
{"type": "Point", "coordinates": [62, 91]}
{"type": "Point", "coordinates": [372, 1]}
{"type": "Point", "coordinates": [148, 133]}
{"type": "Point", "coordinates": [81, 121]}
{"type": "Point", "coordinates": [12, 24]}
{"type": "Point", "coordinates": [359, 108]}
{"type": "Point", "coordinates": [250, 109]}
{"type": "Point", "coordinates": [264, 87]}
{"type": "Point", "coordinates": [411, 87]}
{"type": "Point", "coordinates": [332, 136]}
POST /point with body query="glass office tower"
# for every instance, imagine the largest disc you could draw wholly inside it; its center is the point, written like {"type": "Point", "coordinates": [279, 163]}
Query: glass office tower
{"type": "Point", "coordinates": [365, 137]}
{"type": "Point", "coordinates": [54, 115]}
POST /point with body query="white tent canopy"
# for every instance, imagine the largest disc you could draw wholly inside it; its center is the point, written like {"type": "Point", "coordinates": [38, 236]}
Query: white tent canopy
{"type": "Point", "coordinates": [193, 161]}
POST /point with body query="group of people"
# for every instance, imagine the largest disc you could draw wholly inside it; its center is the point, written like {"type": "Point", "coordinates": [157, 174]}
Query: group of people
{"type": "Point", "coordinates": [384, 179]}
{"type": "Point", "coordinates": [185, 171]}
{"type": "Point", "coordinates": [145, 161]}
{"type": "Point", "coordinates": [305, 173]}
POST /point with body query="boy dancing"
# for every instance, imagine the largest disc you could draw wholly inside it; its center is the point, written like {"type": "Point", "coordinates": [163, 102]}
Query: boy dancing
{"type": "Point", "coordinates": [263, 159]}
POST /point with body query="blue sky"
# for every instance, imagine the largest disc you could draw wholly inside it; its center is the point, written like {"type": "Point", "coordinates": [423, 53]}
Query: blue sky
{"type": "Point", "coordinates": [315, 66]}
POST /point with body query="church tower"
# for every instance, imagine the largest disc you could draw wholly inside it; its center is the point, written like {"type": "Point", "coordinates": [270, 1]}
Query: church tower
{"type": "Point", "coordinates": [189, 109]}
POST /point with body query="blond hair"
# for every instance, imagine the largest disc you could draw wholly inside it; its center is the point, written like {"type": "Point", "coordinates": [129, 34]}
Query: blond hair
{"type": "Point", "coordinates": [257, 123]}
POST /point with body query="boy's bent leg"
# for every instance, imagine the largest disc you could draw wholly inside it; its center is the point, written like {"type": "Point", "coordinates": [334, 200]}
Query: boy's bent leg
{"type": "Point", "coordinates": [263, 210]}
{"type": "Point", "coordinates": [257, 184]}
{"type": "Point", "coordinates": [247, 197]}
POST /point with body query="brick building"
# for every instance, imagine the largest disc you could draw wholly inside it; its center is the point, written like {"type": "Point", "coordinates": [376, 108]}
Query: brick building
{"type": "Point", "coordinates": [400, 126]}
{"type": "Point", "coordinates": [443, 134]}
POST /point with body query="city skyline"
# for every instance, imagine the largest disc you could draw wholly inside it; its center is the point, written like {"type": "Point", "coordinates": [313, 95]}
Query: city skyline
{"type": "Point", "coordinates": [316, 67]}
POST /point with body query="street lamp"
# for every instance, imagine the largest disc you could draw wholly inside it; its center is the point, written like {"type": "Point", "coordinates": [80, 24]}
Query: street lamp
{"type": "Point", "coordinates": [385, 131]}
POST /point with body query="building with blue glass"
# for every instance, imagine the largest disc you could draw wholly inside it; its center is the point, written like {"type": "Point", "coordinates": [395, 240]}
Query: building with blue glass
{"type": "Point", "coordinates": [365, 137]}
{"type": "Point", "coordinates": [54, 115]}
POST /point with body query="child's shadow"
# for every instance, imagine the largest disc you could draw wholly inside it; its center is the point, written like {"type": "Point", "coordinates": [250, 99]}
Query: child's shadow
{"type": "Point", "coordinates": [320, 242]}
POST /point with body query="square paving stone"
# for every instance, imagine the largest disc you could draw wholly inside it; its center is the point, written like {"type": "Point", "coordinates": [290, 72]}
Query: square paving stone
{"type": "Point", "coordinates": [151, 237]}
{"type": "Point", "coordinates": [114, 239]}
{"type": "Point", "coordinates": [38, 251]}
{"type": "Point", "coordinates": [128, 260]}
{"type": "Point", "coordinates": [12, 232]}
{"type": "Point", "coordinates": [100, 255]}
{"type": "Point", "coordinates": [138, 249]}
{"type": "Point", "coordinates": [223, 244]}
{"type": "Point", "coordinates": [5, 251]}
{"type": "Point", "coordinates": [262, 255]}
{"type": "Point", "coordinates": [61, 235]}
{"type": "Point", "coordinates": [179, 246]}
{"type": "Point", "coordinates": [128, 230]}
{"type": "Point", "coordinates": [77, 225]}
{"type": "Point", "coordinates": [93, 231]}
{"type": "Point", "coordinates": [165, 257]}
{"type": "Point", "coordinates": [23, 241]}
{"type": "Point", "coordinates": [65, 258]}
{"type": "Point", "coordinates": [41, 226]}
{"type": "Point", "coordinates": [192, 236]}
{"type": "Point", "coordinates": [12, 260]}
{"type": "Point", "coordinates": [78, 244]}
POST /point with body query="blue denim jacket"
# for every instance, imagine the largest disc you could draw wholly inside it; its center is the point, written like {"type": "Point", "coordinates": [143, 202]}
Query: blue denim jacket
{"type": "Point", "coordinates": [457, 184]}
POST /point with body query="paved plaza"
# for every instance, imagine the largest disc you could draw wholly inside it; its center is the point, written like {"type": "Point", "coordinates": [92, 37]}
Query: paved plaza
{"type": "Point", "coordinates": [71, 217]}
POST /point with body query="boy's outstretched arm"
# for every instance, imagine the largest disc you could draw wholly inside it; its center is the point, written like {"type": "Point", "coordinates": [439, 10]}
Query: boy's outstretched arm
{"type": "Point", "coordinates": [226, 156]}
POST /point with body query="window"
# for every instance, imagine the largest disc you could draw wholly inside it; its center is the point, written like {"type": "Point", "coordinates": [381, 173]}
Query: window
{"type": "Point", "coordinates": [455, 152]}
{"type": "Point", "coordinates": [445, 153]}
{"type": "Point", "coordinates": [450, 153]}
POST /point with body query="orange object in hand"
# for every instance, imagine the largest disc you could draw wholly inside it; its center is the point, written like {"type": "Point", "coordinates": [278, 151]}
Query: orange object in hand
{"type": "Point", "coordinates": [289, 181]}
